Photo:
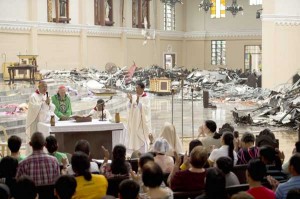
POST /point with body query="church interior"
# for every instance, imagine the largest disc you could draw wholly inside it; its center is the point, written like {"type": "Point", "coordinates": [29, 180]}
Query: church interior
{"type": "Point", "coordinates": [143, 73]}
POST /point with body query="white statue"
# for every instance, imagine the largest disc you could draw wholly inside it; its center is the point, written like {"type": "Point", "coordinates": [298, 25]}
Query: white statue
{"type": "Point", "coordinates": [107, 8]}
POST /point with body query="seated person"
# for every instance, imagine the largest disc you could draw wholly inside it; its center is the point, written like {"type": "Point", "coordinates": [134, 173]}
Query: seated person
{"type": "Point", "coordinates": [62, 102]}
{"type": "Point", "coordinates": [84, 146]}
{"type": "Point", "coordinates": [88, 185]}
{"type": "Point", "coordinates": [14, 143]}
{"type": "Point", "coordinates": [266, 138]}
{"type": "Point", "coordinates": [285, 166]}
{"type": "Point", "coordinates": [255, 173]}
{"type": "Point", "coordinates": [145, 158]}
{"type": "Point", "coordinates": [215, 185]}
{"type": "Point", "coordinates": [248, 150]}
{"type": "Point", "coordinates": [227, 149]}
{"type": "Point", "coordinates": [129, 189]}
{"type": "Point", "coordinates": [191, 179]}
{"type": "Point", "coordinates": [226, 165]}
{"type": "Point", "coordinates": [270, 157]}
{"type": "Point", "coordinates": [208, 129]}
{"type": "Point", "coordinates": [8, 171]}
{"type": "Point", "coordinates": [25, 186]}
{"type": "Point", "coordinates": [96, 113]}
{"type": "Point", "coordinates": [169, 133]}
{"type": "Point", "coordinates": [118, 165]}
{"type": "Point", "coordinates": [160, 147]}
{"type": "Point", "coordinates": [152, 178]}
{"type": "Point", "coordinates": [4, 192]}
{"type": "Point", "coordinates": [186, 160]}
{"type": "Point", "coordinates": [65, 187]}
{"type": "Point", "coordinates": [293, 194]}
{"type": "Point", "coordinates": [52, 146]}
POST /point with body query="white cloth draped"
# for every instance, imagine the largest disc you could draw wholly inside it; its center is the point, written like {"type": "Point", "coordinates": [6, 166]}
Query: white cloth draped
{"type": "Point", "coordinates": [38, 111]}
{"type": "Point", "coordinates": [139, 123]}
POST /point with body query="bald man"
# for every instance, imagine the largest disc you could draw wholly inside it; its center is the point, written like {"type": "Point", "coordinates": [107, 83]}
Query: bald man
{"type": "Point", "coordinates": [62, 102]}
{"type": "Point", "coordinates": [40, 109]}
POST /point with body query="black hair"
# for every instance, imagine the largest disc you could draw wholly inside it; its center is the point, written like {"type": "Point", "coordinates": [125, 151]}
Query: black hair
{"type": "Point", "coordinates": [83, 146]}
{"type": "Point", "coordinates": [140, 84]}
{"type": "Point", "coordinates": [152, 175]}
{"type": "Point", "coordinates": [145, 158]}
{"type": "Point", "coordinates": [297, 145]}
{"type": "Point", "coordinates": [211, 125]}
{"type": "Point", "coordinates": [257, 170]}
{"type": "Point", "coordinates": [37, 141]}
{"type": "Point", "coordinates": [51, 144]}
{"type": "Point", "coordinates": [227, 127]}
{"type": "Point", "coordinates": [14, 143]}
{"type": "Point", "coordinates": [65, 186]}
{"type": "Point", "coordinates": [215, 184]}
{"type": "Point", "coordinates": [4, 191]}
{"type": "Point", "coordinates": [266, 138]}
{"type": "Point", "coordinates": [25, 187]}
{"type": "Point", "coordinates": [268, 153]}
{"type": "Point", "coordinates": [100, 101]}
{"type": "Point", "coordinates": [81, 165]}
{"type": "Point", "coordinates": [118, 164]}
{"type": "Point", "coordinates": [293, 194]}
{"type": "Point", "coordinates": [225, 164]}
{"type": "Point", "coordinates": [248, 138]}
{"type": "Point", "coordinates": [193, 144]}
{"type": "Point", "coordinates": [8, 167]}
{"type": "Point", "coordinates": [228, 140]}
{"type": "Point", "coordinates": [129, 189]}
{"type": "Point", "coordinates": [236, 134]}
{"type": "Point", "coordinates": [295, 162]}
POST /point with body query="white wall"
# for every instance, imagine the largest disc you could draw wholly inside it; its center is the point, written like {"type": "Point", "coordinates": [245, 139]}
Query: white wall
{"type": "Point", "coordinates": [81, 44]}
{"type": "Point", "coordinates": [281, 41]}
{"type": "Point", "coordinates": [14, 10]}
{"type": "Point", "coordinates": [201, 21]}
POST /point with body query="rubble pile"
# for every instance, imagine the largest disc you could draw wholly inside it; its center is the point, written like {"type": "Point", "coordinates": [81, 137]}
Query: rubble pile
{"type": "Point", "coordinates": [275, 108]}
{"type": "Point", "coordinates": [281, 108]}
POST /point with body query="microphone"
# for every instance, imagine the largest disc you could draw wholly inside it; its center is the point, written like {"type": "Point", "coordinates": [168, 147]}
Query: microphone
{"type": "Point", "coordinates": [47, 94]}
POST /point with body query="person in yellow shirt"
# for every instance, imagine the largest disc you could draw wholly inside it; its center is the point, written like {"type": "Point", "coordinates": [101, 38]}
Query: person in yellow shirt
{"type": "Point", "coordinates": [89, 186]}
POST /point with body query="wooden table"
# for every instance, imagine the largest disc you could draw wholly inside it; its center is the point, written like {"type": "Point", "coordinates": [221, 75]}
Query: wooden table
{"type": "Point", "coordinates": [12, 73]}
{"type": "Point", "coordinates": [97, 132]}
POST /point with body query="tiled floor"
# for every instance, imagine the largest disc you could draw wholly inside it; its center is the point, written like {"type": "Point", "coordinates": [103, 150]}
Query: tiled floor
{"type": "Point", "coordinates": [161, 108]}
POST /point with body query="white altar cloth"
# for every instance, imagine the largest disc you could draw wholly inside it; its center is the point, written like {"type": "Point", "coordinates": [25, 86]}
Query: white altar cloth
{"type": "Point", "coordinates": [119, 132]}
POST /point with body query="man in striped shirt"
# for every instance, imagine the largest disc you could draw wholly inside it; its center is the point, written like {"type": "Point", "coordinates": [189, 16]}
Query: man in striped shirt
{"type": "Point", "coordinates": [41, 167]}
{"type": "Point", "coordinates": [294, 181]}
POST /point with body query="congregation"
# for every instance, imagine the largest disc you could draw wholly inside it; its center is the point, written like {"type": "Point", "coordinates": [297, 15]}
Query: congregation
{"type": "Point", "coordinates": [218, 164]}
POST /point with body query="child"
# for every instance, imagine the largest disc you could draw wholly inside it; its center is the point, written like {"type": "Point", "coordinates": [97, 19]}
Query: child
{"type": "Point", "coordinates": [14, 143]}
{"type": "Point", "coordinates": [52, 146]}
{"type": "Point", "coordinates": [96, 113]}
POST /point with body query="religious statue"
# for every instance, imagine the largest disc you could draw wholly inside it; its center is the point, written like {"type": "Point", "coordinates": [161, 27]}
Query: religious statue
{"type": "Point", "coordinates": [62, 8]}
{"type": "Point", "coordinates": [107, 9]}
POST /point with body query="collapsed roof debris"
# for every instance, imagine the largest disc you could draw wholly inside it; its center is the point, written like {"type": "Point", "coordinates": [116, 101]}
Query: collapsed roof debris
{"type": "Point", "coordinates": [276, 108]}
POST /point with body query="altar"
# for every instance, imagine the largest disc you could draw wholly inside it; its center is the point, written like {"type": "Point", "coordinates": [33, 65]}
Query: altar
{"type": "Point", "coordinates": [97, 132]}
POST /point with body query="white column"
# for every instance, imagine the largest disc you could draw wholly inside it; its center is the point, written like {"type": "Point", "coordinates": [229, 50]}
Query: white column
{"type": "Point", "coordinates": [280, 41]}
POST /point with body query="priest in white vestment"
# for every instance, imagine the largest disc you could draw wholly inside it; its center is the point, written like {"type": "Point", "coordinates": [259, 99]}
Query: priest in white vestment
{"type": "Point", "coordinates": [139, 120]}
{"type": "Point", "coordinates": [40, 109]}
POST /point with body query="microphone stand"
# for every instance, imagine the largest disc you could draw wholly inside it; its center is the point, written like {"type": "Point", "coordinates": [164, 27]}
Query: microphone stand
{"type": "Point", "coordinates": [192, 110]}
{"type": "Point", "coordinates": [102, 113]}
{"type": "Point", "coordinates": [172, 92]}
